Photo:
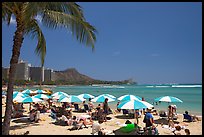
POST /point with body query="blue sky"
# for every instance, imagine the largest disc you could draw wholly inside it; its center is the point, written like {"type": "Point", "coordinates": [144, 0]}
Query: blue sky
{"type": "Point", "coordinates": [150, 42]}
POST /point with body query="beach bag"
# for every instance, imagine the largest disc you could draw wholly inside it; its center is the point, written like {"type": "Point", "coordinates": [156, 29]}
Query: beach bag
{"type": "Point", "coordinates": [128, 128]}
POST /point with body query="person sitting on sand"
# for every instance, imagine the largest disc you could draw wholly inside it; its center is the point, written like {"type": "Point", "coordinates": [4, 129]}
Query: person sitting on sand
{"type": "Point", "coordinates": [154, 111]}
{"type": "Point", "coordinates": [66, 120]}
{"type": "Point", "coordinates": [32, 115]}
{"type": "Point", "coordinates": [37, 116]}
{"type": "Point", "coordinates": [98, 130]}
{"type": "Point", "coordinates": [187, 131]}
{"type": "Point", "coordinates": [90, 104]}
{"type": "Point", "coordinates": [193, 117]}
{"type": "Point", "coordinates": [118, 109]}
{"type": "Point", "coordinates": [77, 124]}
{"type": "Point", "coordinates": [74, 123]}
{"type": "Point", "coordinates": [98, 107]}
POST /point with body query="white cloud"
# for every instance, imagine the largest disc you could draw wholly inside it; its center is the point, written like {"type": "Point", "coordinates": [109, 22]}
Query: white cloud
{"type": "Point", "coordinates": [38, 18]}
{"type": "Point", "coordinates": [13, 20]}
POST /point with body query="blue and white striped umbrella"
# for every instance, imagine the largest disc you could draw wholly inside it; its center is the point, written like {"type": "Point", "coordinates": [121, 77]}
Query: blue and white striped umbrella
{"type": "Point", "coordinates": [129, 97]}
{"type": "Point", "coordinates": [109, 96]}
{"type": "Point", "coordinates": [59, 94]}
{"type": "Point", "coordinates": [134, 104]}
{"type": "Point", "coordinates": [16, 93]}
{"type": "Point", "coordinates": [168, 99]}
{"type": "Point", "coordinates": [71, 98]}
{"type": "Point", "coordinates": [28, 91]}
{"type": "Point", "coordinates": [86, 96]}
{"type": "Point", "coordinates": [30, 99]}
{"type": "Point", "coordinates": [18, 98]}
{"type": "Point", "coordinates": [101, 98]}
{"type": "Point", "coordinates": [39, 91]}
{"type": "Point", "coordinates": [42, 96]}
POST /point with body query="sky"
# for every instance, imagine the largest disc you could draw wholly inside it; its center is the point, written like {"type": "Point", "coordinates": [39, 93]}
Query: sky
{"type": "Point", "coordinates": [149, 42]}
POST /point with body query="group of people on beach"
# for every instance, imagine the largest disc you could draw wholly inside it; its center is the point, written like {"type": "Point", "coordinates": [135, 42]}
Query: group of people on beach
{"type": "Point", "coordinates": [97, 115]}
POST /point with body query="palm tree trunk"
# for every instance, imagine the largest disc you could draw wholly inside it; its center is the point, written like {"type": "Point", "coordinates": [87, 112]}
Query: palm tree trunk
{"type": "Point", "coordinates": [18, 40]}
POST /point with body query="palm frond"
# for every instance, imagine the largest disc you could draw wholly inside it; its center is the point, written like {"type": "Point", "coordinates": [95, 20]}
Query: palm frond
{"type": "Point", "coordinates": [7, 12]}
{"type": "Point", "coordinates": [34, 31]}
{"type": "Point", "coordinates": [83, 31]}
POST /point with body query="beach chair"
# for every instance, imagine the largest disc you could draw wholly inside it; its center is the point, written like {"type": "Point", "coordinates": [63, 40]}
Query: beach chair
{"type": "Point", "coordinates": [125, 111]}
{"type": "Point", "coordinates": [76, 107]}
{"type": "Point", "coordinates": [53, 117]}
{"type": "Point", "coordinates": [86, 107]}
{"type": "Point", "coordinates": [162, 114]}
{"type": "Point", "coordinates": [187, 117]}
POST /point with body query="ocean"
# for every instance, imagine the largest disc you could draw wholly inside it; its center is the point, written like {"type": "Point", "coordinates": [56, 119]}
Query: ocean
{"type": "Point", "coordinates": [191, 95]}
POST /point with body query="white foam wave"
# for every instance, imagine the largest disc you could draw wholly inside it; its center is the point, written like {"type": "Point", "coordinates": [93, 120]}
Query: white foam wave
{"type": "Point", "coordinates": [186, 86]}
{"type": "Point", "coordinates": [161, 86]}
{"type": "Point", "coordinates": [149, 86]}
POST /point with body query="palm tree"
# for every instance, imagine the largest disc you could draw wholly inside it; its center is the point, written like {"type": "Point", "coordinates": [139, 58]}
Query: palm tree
{"type": "Point", "coordinates": [54, 15]}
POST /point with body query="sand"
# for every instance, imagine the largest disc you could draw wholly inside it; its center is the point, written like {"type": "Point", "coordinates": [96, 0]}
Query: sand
{"type": "Point", "coordinates": [46, 126]}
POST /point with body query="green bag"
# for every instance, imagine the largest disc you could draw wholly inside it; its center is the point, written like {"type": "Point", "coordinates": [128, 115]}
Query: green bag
{"type": "Point", "coordinates": [128, 128]}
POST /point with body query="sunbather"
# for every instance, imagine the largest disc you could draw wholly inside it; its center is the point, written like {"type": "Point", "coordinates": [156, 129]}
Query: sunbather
{"type": "Point", "coordinates": [193, 117]}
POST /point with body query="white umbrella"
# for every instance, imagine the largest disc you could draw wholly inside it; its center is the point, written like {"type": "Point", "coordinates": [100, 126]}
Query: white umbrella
{"type": "Point", "coordinates": [134, 104]}
{"type": "Point", "coordinates": [129, 97]}
{"type": "Point", "coordinates": [30, 99]}
{"type": "Point", "coordinates": [39, 91]}
{"type": "Point", "coordinates": [57, 95]}
{"type": "Point", "coordinates": [109, 95]}
{"type": "Point", "coordinates": [168, 99]}
{"type": "Point", "coordinates": [71, 98]}
{"type": "Point", "coordinates": [28, 91]}
{"type": "Point", "coordinates": [43, 96]}
{"type": "Point", "coordinates": [101, 98]}
{"type": "Point", "coordinates": [16, 93]}
{"type": "Point", "coordinates": [87, 96]}
{"type": "Point", "coordinates": [18, 98]}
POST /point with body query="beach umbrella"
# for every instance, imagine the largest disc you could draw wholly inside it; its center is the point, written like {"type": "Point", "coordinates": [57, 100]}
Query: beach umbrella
{"type": "Point", "coordinates": [39, 91]}
{"type": "Point", "coordinates": [134, 104]}
{"type": "Point", "coordinates": [30, 99]}
{"type": "Point", "coordinates": [57, 94]}
{"type": "Point", "coordinates": [71, 98]}
{"type": "Point", "coordinates": [86, 96]}
{"type": "Point", "coordinates": [168, 99]}
{"type": "Point", "coordinates": [109, 96]}
{"type": "Point", "coordinates": [101, 98]}
{"type": "Point", "coordinates": [129, 97]}
{"type": "Point", "coordinates": [18, 98]}
{"type": "Point", "coordinates": [16, 93]}
{"type": "Point", "coordinates": [28, 91]}
{"type": "Point", "coordinates": [42, 96]}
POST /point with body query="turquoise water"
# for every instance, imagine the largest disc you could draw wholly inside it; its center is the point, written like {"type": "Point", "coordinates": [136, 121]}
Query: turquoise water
{"type": "Point", "coordinates": [191, 95]}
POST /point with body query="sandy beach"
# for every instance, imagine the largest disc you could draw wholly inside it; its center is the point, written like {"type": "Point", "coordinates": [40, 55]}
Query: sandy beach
{"type": "Point", "coordinates": [47, 127]}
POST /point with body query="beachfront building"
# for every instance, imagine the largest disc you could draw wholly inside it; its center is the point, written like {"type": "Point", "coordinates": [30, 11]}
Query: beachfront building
{"type": "Point", "coordinates": [5, 73]}
{"type": "Point", "coordinates": [37, 74]}
{"type": "Point", "coordinates": [49, 75]}
{"type": "Point", "coordinates": [22, 70]}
